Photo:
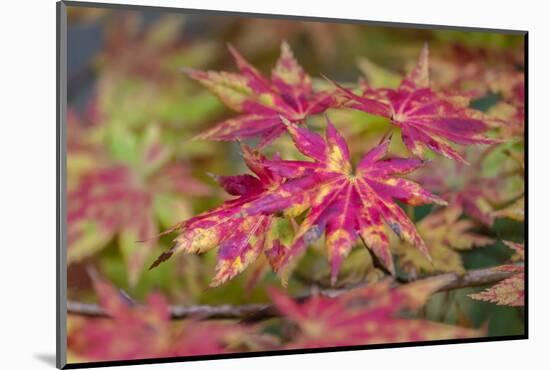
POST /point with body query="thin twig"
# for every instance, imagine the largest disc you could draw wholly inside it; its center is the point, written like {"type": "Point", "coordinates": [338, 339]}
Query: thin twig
{"type": "Point", "coordinates": [256, 312]}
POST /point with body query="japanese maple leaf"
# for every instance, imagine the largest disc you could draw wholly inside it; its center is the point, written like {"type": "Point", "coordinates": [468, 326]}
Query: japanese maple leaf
{"type": "Point", "coordinates": [262, 102]}
{"type": "Point", "coordinates": [342, 202]}
{"type": "Point", "coordinates": [466, 188]}
{"type": "Point", "coordinates": [368, 315]}
{"type": "Point", "coordinates": [427, 119]}
{"type": "Point", "coordinates": [115, 199]}
{"type": "Point", "coordinates": [240, 238]}
{"type": "Point", "coordinates": [136, 331]}
{"type": "Point", "coordinates": [445, 235]}
{"type": "Point", "coordinates": [510, 291]}
{"type": "Point", "coordinates": [111, 202]}
{"type": "Point", "coordinates": [510, 110]}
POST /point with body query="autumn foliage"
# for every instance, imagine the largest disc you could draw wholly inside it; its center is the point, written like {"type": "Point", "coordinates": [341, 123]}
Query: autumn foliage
{"type": "Point", "coordinates": [340, 201]}
{"type": "Point", "coordinates": [362, 202]}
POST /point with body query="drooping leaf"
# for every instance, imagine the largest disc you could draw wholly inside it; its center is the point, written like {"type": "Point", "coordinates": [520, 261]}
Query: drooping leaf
{"type": "Point", "coordinates": [343, 203]}
{"type": "Point", "coordinates": [511, 109]}
{"type": "Point", "coordinates": [427, 119]}
{"type": "Point", "coordinates": [261, 102]}
{"type": "Point", "coordinates": [467, 188]}
{"type": "Point", "coordinates": [136, 331]}
{"type": "Point", "coordinates": [445, 236]}
{"type": "Point", "coordinates": [367, 315]}
{"type": "Point", "coordinates": [240, 238]}
{"type": "Point", "coordinates": [510, 291]}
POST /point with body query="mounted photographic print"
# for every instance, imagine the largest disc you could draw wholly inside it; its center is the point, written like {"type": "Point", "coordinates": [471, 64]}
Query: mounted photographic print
{"type": "Point", "coordinates": [238, 185]}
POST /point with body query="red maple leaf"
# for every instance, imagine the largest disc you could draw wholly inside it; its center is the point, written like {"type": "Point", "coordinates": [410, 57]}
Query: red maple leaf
{"type": "Point", "coordinates": [241, 239]}
{"type": "Point", "coordinates": [367, 315]}
{"type": "Point", "coordinates": [466, 188]}
{"type": "Point", "coordinates": [427, 119]}
{"type": "Point", "coordinates": [135, 331]}
{"type": "Point", "coordinates": [111, 201]}
{"type": "Point", "coordinates": [260, 101]}
{"type": "Point", "coordinates": [343, 203]}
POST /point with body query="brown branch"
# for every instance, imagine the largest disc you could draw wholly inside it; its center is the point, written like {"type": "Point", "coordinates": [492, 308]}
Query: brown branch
{"type": "Point", "coordinates": [177, 312]}
{"type": "Point", "coordinates": [256, 312]}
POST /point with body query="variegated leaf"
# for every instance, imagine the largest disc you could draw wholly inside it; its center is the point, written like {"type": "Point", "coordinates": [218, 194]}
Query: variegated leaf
{"type": "Point", "coordinates": [260, 101]}
{"type": "Point", "coordinates": [343, 203]}
{"type": "Point", "coordinates": [427, 119]}
{"type": "Point", "coordinates": [241, 238]}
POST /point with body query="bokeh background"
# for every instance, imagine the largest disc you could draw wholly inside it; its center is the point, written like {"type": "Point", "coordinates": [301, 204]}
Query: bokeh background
{"type": "Point", "coordinates": [133, 170]}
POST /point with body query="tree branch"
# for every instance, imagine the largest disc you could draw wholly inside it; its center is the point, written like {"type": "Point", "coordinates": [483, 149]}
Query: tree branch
{"type": "Point", "coordinates": [256, 312]}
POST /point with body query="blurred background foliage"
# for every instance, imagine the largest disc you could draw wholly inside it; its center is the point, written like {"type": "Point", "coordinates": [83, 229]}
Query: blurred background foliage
{"type": "Point", "coordinates": [133, 170]}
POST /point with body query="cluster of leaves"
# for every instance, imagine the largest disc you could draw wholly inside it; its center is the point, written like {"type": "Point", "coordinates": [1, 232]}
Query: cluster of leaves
{"type": "Point", "coordinates": [329, 195]}
{"type": "Point", "coordinates": [378, 313]}
{"type": "Point", "coordinates": [125, 198]}
{"type": "Point", "coordinates": [127, 177]}
{"type": "Point", "coordinates": [399, 172]}
{"type": "Point", "coordinates": [445, 234]}
{"type": "Point", "coordinates": [134, 331]}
